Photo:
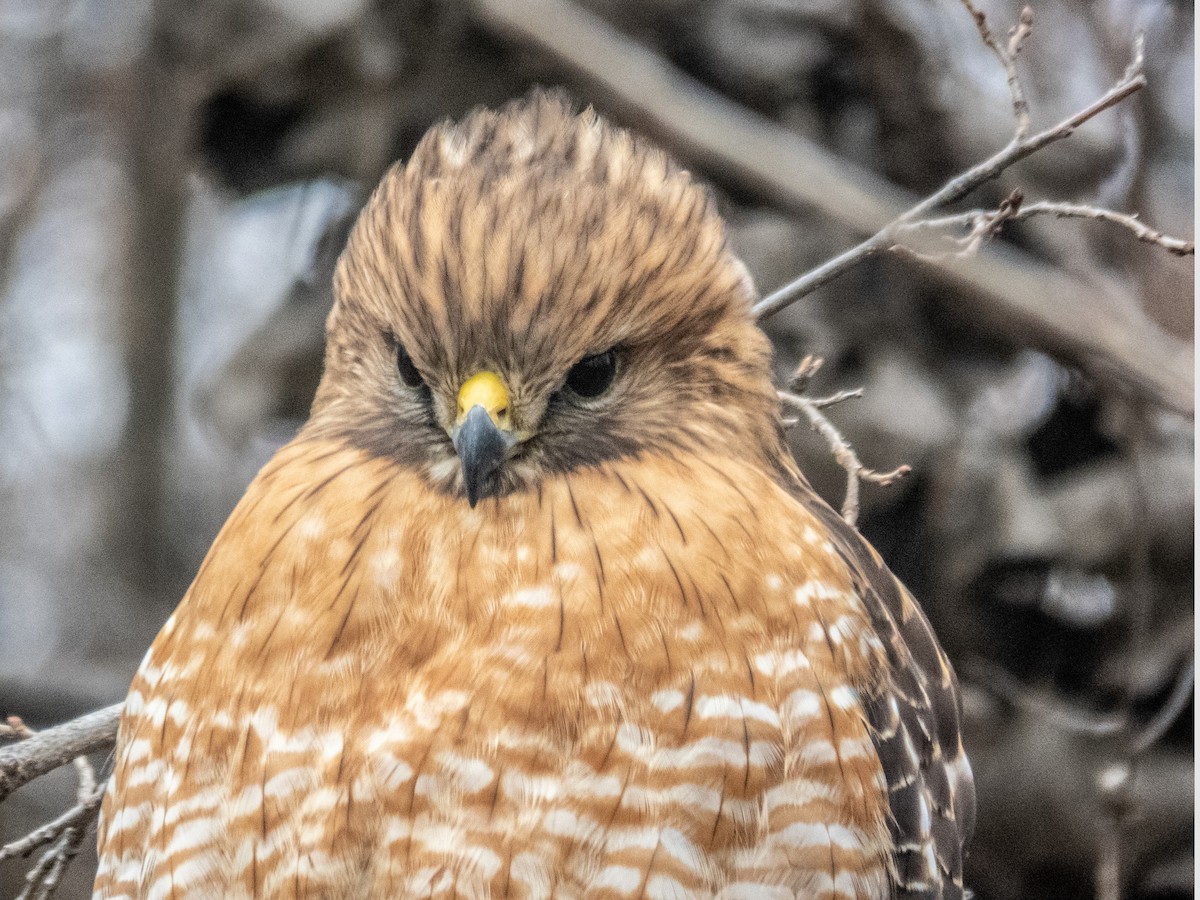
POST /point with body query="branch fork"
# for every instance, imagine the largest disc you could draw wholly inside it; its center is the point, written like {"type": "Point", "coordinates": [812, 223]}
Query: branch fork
{"type": "Point", "coordinates": [843, 452]}
{"type": "Point", "coordinates": [62, 837]}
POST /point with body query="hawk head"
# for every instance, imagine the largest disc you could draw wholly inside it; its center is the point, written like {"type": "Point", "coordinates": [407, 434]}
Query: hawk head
{"type": "Point", "coordinates": [536, 291]}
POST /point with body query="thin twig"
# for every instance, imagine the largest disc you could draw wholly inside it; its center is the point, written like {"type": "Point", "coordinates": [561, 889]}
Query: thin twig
{"type": "Point", "coordinates": [1018, 34]}
{"type": "Point", "coordinates": [805, 371]}
{"type": "Point", "coordinates": [45, 877]}
{"type": "Point", "coordinates": [834, 399]}
{"type": "Point", "coordinates": [78, 816]}
{"type": "Point", "coordinates": [845, 455]}
{"type": "Point", "coordinates": [1007, 54]}
{"type": "Point", "coordinates": [41, 752]}
{"type": "Point", "coordinates": [1131, 81]}
{"type": "Point", "coordinates": [1143, 232]}
{"type": "Point", "coordinates": [980, 228]}
{"type": "Point", "coordinates": [958, 187]}
{"type": "Point", "coordinates": [982, 224]}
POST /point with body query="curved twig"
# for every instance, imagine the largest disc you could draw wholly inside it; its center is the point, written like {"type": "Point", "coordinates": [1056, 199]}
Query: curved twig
{"type": "Point", "coordinates": [845, 455]}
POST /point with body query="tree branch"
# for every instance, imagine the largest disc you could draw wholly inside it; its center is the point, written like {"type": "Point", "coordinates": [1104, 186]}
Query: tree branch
{"type": "Point", "coordinates": [955, 189]}
{"type": "Point", "coordinates": [845, 455]}
{"type": "Point", "coordinates": [78, 816]}
{"type": "Point", "coordinates": [45, 751]}
{"type": "Point", "coordinates": [983, 224]}
{"type": "Point", "coordinates": [1007, 54]}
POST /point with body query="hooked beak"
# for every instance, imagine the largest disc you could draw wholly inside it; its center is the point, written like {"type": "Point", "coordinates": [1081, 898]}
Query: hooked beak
{"type": "Point", "coordinates": [483, 432]}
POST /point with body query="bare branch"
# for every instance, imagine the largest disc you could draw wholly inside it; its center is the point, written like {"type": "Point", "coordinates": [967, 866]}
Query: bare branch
{"type": "Point", "coordinates": [78, 816]}
{"type": "Point", "coordinates": [36, 754]}
{"type": "Point", "coordinates": [845, 455]}
{"type": "Point", "coordinates": [87, 779]}
{"type": "Point", "coordinates": [823, 274]}
{"type": "Point", "coordinates": [45, 877]}
{"type": "Point", "coordinates": [1143, 232]}
{"type": "Point", "coordinates": [1131, 81]}
{"type": "Point", "coordinates": [1007, 55]}
{"type": "Point", "coordinates": [804, 373]}
{"type": "Point", "coordinates": [47, 750]}
{"type": "Point", "coordinates": [955, 189]}
{"type": "Point", "coordinates": [983, 224]}
{"type": "Point", "coordinates": [834, 399]}
{"type": "Point", "coordinates": [1018, 33]}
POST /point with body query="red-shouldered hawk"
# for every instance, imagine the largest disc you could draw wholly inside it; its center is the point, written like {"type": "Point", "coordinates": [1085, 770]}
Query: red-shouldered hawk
{"type": "Point", "coordinates": [537, 603]}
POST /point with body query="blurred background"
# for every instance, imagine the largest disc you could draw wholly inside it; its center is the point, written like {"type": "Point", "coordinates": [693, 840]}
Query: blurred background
{"type": "Point", "coordinates": [177, 178]}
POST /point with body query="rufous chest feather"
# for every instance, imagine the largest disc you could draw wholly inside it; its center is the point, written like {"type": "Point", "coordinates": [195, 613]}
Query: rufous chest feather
{"type": "Point", "coordinates": [570, 692]}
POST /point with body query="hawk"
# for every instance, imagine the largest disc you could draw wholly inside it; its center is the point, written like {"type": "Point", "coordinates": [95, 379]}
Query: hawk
{"type": "Point", "coordinates": [537, 603]}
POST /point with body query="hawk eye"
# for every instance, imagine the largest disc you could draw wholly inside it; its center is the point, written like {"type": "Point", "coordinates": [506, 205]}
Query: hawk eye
{"type": "Point", "coordinates": [408, 372]}
{"type": "Point", "coordinates": [593, 375]}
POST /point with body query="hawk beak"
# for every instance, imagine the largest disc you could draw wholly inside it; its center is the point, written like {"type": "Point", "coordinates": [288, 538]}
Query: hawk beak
{"type": "Point", "coordinates": [483, 432]}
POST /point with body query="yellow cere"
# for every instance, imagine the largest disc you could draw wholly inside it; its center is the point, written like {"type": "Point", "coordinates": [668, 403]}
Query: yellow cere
{"type": "Point", "coordinates": [485, 389]}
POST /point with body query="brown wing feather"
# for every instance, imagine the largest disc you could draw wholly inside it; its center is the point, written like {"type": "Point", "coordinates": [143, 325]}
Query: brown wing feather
{"type": "Point", "coordinates": [915, 719]}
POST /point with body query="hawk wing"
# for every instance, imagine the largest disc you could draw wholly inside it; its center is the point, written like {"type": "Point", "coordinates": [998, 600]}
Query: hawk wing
{"type": "Point", "coordinates": [915, 721]}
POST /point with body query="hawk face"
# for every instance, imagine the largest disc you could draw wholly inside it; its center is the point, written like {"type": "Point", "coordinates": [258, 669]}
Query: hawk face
{"type": "Point", "coordinates": [533, 293]}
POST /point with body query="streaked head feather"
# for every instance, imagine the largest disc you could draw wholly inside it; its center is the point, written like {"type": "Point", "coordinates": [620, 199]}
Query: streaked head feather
{"type": "Point", "coordinates": [521, 241]}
